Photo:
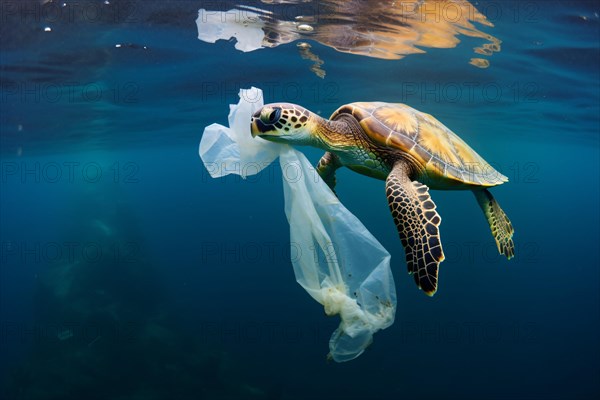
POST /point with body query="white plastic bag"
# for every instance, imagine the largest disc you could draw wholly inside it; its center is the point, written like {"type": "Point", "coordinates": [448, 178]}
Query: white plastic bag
{"type": "Point", "coordinates": [337, 260]}
{"type": "Point", "coordinates": [243, 25]}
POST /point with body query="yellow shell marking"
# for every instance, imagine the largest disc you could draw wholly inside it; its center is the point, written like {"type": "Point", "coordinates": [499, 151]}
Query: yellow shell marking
{"type": "Point", "coordinates": [439, 150]}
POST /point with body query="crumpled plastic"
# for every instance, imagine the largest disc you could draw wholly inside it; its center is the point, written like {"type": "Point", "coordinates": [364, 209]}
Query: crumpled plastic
{"type": "Point", "coordinates": [243, 25]}
{"type": "Point", "coordinates": [336, 259]}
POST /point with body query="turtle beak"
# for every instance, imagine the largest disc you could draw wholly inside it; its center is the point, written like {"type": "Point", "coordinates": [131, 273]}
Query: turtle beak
{"type": "Point", "coordinates": [257, 127]}
{"type": "Point", "coordinates": [254, 128]}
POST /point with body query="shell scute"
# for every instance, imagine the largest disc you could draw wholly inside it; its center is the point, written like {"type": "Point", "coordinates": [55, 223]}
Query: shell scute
{"type": "Point", "coordinates": [443, 154]}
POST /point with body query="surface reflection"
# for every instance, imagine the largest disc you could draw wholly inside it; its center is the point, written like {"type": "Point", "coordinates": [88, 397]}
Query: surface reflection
{"type": "Point", "coordinates": [381, 29]}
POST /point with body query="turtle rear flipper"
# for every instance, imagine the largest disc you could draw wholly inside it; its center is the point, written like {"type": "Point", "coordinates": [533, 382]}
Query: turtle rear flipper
{"type": "Point", "coordinates": [418, 225]}
{"type": "Point", "coordinates": [502, 229]}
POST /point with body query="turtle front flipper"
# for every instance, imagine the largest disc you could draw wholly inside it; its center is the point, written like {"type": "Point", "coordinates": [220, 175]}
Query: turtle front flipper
{"type": "Point", "coordinates": [326, 168]}
{"type": "Point", "coordinates": [502, 229]}
{"type": "Point", "coordinates": [418, 225]}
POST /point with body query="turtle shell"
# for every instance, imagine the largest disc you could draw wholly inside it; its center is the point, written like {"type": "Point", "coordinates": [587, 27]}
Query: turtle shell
{"type": "Point", "coordinates": [446, 158]}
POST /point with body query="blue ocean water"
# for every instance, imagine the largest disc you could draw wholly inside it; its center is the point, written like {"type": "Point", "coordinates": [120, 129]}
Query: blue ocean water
{"type": "Point", "coordinates": [127, 272]}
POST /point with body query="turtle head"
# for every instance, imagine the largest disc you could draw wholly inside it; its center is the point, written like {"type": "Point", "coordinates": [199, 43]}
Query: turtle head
{"type": "Point", "coordinates": [284, 123]}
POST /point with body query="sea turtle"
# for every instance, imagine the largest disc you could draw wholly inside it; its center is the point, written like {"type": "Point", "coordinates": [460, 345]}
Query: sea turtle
{"type": "Point", "coordinates": [410, 150]}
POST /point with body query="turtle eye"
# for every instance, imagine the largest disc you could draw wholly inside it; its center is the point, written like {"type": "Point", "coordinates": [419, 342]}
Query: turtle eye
{"type": "Point", "coordinates": [272, 117]}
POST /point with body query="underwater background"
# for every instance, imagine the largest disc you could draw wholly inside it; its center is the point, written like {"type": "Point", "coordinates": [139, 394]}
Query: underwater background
{"type": "Point", "coordinates": [127, 272]}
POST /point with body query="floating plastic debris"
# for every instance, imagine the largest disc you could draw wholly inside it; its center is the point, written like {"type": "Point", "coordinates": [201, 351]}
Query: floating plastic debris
{"type": "Point", "coordinates": [305, 28]}
{"type": "Point", "coordinates": [306, 53]}
{"type": "Point", "coordinates": [351, 275]}
{"type": "Point", "coordinates": [479, 62]}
